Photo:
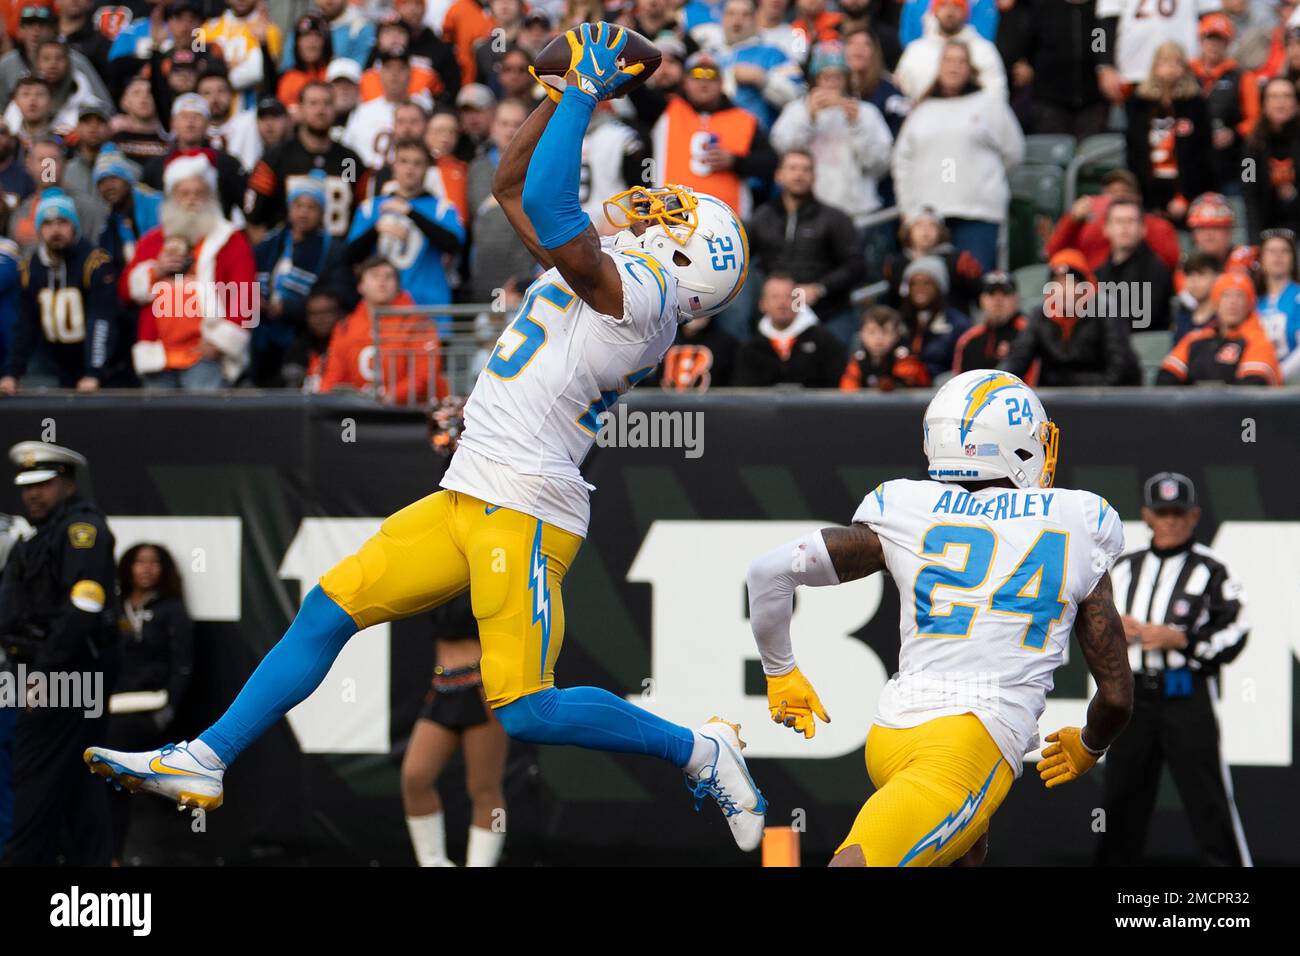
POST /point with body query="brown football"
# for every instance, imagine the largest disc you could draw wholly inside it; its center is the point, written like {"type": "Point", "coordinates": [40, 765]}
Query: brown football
{"type": "Point", "coordinates": [554, 58]}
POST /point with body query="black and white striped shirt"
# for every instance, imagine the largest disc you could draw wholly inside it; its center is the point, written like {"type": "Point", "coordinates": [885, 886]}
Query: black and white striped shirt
{"type": "Point", "coordinates": [1186, 587]}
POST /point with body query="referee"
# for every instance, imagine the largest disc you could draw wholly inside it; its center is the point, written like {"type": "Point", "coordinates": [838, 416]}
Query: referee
{"type": "Point", "coordinates": [1184, 617]}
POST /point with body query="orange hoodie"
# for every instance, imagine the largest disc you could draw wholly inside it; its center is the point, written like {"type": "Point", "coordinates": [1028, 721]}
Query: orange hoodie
{"type": "Point", "coordinates": [408, 355]}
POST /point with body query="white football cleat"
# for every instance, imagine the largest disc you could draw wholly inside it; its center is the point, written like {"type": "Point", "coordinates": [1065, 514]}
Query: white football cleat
{"type": "Point", "coordinates": [728, 782]}
{"type": "Point", "coordinates": [171, 772]}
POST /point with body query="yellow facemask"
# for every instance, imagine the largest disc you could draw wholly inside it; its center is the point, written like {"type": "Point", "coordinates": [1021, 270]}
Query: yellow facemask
{"type": "Point", "coordinates": [670, 206]}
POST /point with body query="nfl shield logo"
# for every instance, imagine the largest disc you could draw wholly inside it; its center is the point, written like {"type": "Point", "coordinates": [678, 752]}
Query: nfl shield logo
{"type": "Point", "coordinates": [1181, 607]}
{"type": "Point", "coordinates": [1168, 490]}
{"type": "Point", "coordinates": [970, 451]}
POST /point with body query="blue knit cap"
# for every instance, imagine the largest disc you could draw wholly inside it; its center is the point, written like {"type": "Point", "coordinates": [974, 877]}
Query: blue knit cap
{"type": "Point", "coordinates": [112, 162]}
{"type": "Point", "coordinates": [56, 204]}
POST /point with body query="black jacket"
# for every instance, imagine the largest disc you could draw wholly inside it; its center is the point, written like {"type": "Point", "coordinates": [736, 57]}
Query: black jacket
{"type": "Point", "coordinates": [83, 284]}
{"type": "Point", "coordinates": [817, 245]}
{"type": "Point", "coordinates": [1143, 271]}
{"type": "Point", "coordinates": [816, 360]}
{"type": "Point", "coordinates": [697, 362]}
{"type": "Point", "coordinates": [1095, 351]}
{"type": "Point", "coordinates": [1271, 194]}
{"type": "Point", "coordinates": [1189, 121]}
{"type": "Point", "coordinates": [1055, 38]}
{"type": "Point", "coordinates": [69, 559]}
{"type": "Point", "coordinates": [161, 655]}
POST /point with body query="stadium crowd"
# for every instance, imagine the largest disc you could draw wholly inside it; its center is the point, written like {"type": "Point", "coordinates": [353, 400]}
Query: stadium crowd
{"type": "Point", "coordinates": [201, 195]}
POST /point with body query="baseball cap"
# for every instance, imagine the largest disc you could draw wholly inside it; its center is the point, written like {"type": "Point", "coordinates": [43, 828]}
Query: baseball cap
{"type": "Point", "coordinates": [33, 12]}
{"type": "Point", "coordinates": [397, 53]}
{"type": "Point", "coordinates": [1169, 489]}
{"type": "Point", "coordinates": [476, 96]}
{"type": "Point", "coordinates": [537, 18]}
{"type": "Point", "coordinates": [192, 103]}
{"type": "Point", "coordinates": [94, 108]}
{"type": "Point", "coordinates": [175, 7]}
{"type": "Point", "coordinates": [1216, 25]}
{"type": "Point", "coordinates": [997, 281]}
{"type": "Point", "coordinates": [343, 69]}
{"type": "Point", "coordinates": [270, 106]}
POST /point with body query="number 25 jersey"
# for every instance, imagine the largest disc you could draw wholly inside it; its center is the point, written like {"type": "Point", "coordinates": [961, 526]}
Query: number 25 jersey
{"type": "Point", "coordinates": [535, 409]}
{"type": "Point", "coordinates": [989, 583]}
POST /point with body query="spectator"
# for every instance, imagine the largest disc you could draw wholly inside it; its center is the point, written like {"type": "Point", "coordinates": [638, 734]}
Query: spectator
{"type": "Point", "coordinates": [77, 29]}
{"type": "Point", "coordinates": [497, 253]}
{"type": "Point", "coordinates": [477, 108]}
{"type": "Point", "coordinates": [1083, 227]}
{"type": "Point", "coordinates": [1074, 344]}
{"type": "Point", "coordinates": [1133, 40]}
{"type": "Point", "coordinates": [394, 36]}
{"type": "Point", "coordinates": [311, 53]}
{"type": "Point", "coordinates": [772, 21]}
{"type": "Point", "coordinates": [933, 326]}
{"type": "Point", "coordinates": [37, 26]}
{"type": "Point", "coordinates": [1233, 349]}
{"type": "Point", "coordinates": [252, 47]}
{"type": "Point", "coordinates": [194, 255]}
{"type": "Point", "coordinates": [732, 150]}
{"type": "Point", "coordinates": [1211, 220]}
{"type": "Point", "coordinates": [190, 116]}
{"type": "Point", "coordinates": [1195, 307]}
{"type": "Point", "coordinates": [410, 229]}
{"type": "Point", "coordinates": [702, 357]}
{"type": "Point", "coordinates": [344, 78]}
{"type": "Point", "coordinates": [231, 127]}
{"type": "Point", "coordinates": [915, 17]}
{"type": "Point", "coordinates": [352, 35]}
{"type": "Point", "coordinates": [133, 46]}
{"type": "Point", "coordinates": [173, 51]}
{"type": "Point", "coordinates": [137, 131]}
{"type": "Point", "coordinates": [66, 306]}
{"type": "Point", "coordinates": [920, 65]}
{"type": "Point", "coordinates": [1232, 97]}
{"type": "Point", "coordinates": [428, 52]}
{"type": "Point", "coordinates": [812, 240]}
{"type": "Point", "coordinates": [370, 128]}
{"type": "Point", "coordinates": [1146, 282]}
{"type": "Point", "coordinates": [448, 177]}
{"type": "Point", "coordinates": [761, 76]}
{"type": "Point", "coordinates": [999, 321]}
{"type": "Point", "coordinates": [1279, 302]}
{"type": "Point", "coordinates": [291, 261]}
{"type": "Point", "coordinates": [30, 115]}
{"type": "Point", "coordinates": [814, 24]}
{"type": "Point", "coordinates": [176, 73]}
{"type": "Point", "coordinates": [1273, 156]}
{"type": "Point", "coordinates": [465, 24]}
{"type": "Point", "coordinates": [406, 357]}
{"type": "Point", "coordinates": [537, 31]}
{"type": "Point", "coordinates": [514, 80]}
{"type": "Point", "coordinates": [92, 134]}
{"type": "Point", "coordinates": [848, 139]}
{"type": "Point", "coordinates": [790, 348]}
{"type": "Point", "coordinates": [311, 150]}
{"type": "Point", "coordinates": [925, 234]}
{"type": "Point", "coordinates": [1168, 135]}
{"type": "Point", "coordinates": [953, 154]}
{"type": "Point", "coordinates": [507, 21]}
{"type": "Point", "coordinates": [869, 81]}
{"type": "Point", "coordinates": [15, 184]}
{"type": "Point", "coordinates": [883, 361]}
{"type": "Point", "coordinates": [869, 16]}
{"type": "Point", "coordinates": [132, 211]}
{"type": "Point", "coordinates": [305, 362]}
{"type": "Point", "coordinates": [45, 165]}
{"type": "Point", "coordinates": [1254, 25]}
{"type": "Point", "coordinates": [69, 89]}
{"type": "Point", "coordinates": [156, 666]}
{"type": "Point", "coordinates": [1053, 72]}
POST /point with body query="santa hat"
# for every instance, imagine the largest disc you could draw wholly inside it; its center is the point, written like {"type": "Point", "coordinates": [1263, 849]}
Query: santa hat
{"type": "Point", "coordinates": [188, 164]}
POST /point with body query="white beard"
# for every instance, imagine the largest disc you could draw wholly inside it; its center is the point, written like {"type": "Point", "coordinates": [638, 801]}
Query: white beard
{"type": "Point", "coordinates": [190, 226]}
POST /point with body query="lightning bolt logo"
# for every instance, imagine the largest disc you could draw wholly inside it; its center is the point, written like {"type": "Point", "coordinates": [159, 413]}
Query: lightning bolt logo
{"type": "Point", "coordinates": [952, 824]}
{"type": "Point", "coordinates": [980, 396]}
{"type": "Point", "coordinates": [541, 593]}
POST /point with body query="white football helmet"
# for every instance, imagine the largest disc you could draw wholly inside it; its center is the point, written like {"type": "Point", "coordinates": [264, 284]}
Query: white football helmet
{"type": "Point", "coordinates": [986, 424]}
{"type": "Point", "coordinates": [694, 236]}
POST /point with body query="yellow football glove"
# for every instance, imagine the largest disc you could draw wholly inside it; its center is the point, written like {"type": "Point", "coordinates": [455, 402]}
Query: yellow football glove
{"type": "Point", "coordinates": [1067, 759]}
{"type": "Point", "coordinates": [792, 701]}
{"type": "Point", "coordinates": [551, 91]}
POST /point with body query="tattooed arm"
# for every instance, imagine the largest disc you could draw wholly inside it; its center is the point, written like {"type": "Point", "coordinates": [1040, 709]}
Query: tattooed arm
{"type": "Point", "coordinates": [826, 557]}
{"type": "Point", "coordinates": [1100, 633]}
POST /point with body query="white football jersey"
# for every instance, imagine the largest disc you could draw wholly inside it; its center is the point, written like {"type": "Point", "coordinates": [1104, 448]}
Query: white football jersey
{"type": "Point", "coordinates": [989, 583]}
{"type": "Point", "coordinates": [603, 150]}
{"type": "Point", "coordinates": [1145, 24]}
{"type": "Point", "coordinates": [536, 408]}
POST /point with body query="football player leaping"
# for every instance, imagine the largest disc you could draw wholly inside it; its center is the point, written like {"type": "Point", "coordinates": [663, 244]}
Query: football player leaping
{"type": "Point", "coordinates": [992, 567]}
{"type": "Point", "coordinates": [514, 508]}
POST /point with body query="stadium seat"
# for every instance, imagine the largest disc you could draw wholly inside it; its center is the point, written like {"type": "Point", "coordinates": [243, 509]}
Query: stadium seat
{"type": "Point", "coordinates": [1240, 236]}
{"type": "Point", "coordinates": [1030, 281]}
{"type": "Point", "coordinates": [1093, 158]}
{"type": "Point", "coordinates": [1036, 202]}
{"type": "Point", "coordinates": [1151, 349]}
{"type": "Point", "coordinates": [1049, 149]}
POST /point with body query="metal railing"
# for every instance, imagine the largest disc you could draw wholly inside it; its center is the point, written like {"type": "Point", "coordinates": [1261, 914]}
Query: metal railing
{"type": "Point", "coordinates": [422, 352]}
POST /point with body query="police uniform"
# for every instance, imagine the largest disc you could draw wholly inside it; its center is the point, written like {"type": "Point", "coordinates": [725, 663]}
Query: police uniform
{"type": "Point", "coordinates": [1174, 718]}
{"type": "Point", "coordinates": [58, 615]}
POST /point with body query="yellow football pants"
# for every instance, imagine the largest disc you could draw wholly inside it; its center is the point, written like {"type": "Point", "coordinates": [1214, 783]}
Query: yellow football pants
{"type": "Point", "coordinates": [440, 546]}
{"type": "Point", "coordinates": [937, 787]}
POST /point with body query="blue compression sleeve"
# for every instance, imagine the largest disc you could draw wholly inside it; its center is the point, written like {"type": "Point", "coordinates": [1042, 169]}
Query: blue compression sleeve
{"type": "Point", "coordinates": [286, 677]}
{"type": "Point", "coordinates": [596, 719]}
{"type": "Point", "coordinates": [555, 172]}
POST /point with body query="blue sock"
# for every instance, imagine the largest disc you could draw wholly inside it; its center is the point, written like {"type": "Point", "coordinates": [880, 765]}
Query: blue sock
{"type": "Point", "coordinates": [286, 677]}
{"type": "Point", "coordinates": [596, 719]}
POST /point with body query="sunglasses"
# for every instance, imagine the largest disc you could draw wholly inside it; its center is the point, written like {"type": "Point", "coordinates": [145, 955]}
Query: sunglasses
{"type": "Point", "coordinates": [704, 73]}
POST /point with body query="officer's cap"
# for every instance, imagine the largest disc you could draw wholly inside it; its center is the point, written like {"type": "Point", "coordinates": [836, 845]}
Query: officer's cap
{"type": "Point", "coordinates": [39, 461]}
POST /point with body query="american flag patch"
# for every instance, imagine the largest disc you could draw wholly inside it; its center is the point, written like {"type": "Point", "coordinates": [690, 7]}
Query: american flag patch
{"type": "Point", "coordinates": [694, 301]}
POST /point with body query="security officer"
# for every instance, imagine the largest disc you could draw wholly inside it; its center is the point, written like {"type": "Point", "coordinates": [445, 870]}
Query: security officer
{"type": "Point", "coordinates": [58, 619]}
{"type": "Point", "coordinates": [1184, 617]}
{"type": "Point", "coordinates": [12, 530]}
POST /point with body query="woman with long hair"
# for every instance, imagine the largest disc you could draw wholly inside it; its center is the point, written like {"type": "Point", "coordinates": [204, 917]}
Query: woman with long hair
{"type": "Point", "coordinates": [1278, 284]}
{"type": "Point", "coordinates": [1273, 154]}
{"type": "Point", "coordinates": [953, 154]}
{"type": "Point", "coordinates": [312, 52]}
{"type": "Point", "coordinates": [1169, 144]}
{"type": "Point", "coordinates": [157, 661]}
